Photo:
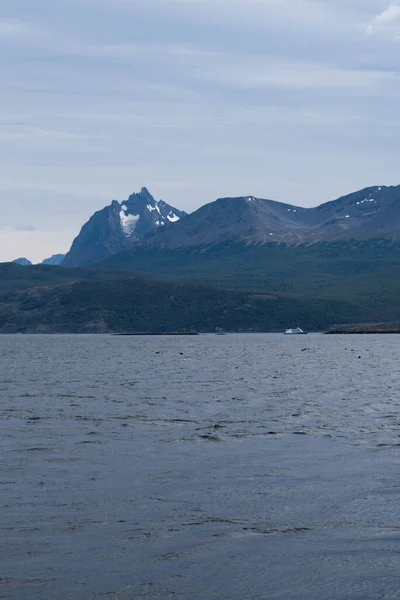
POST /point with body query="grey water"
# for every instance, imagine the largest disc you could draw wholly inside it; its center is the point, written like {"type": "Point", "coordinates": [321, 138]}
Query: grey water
{"type": "Point", "coordinates": [228, 467]}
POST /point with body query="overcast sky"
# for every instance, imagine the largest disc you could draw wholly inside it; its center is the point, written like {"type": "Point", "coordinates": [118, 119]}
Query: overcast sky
{"type": "Point", "coordinates": [294, 100]}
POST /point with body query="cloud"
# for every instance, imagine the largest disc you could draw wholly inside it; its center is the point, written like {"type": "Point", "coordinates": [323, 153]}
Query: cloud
{"type": "Point", "coordinates": [259, 15]}
{"type": "Point", "coordinates": [193, 98]}
{"type": "Point", "coordinates": [194, 65]}
{"type": "Point", "coordinates": [11, 28]}
{"type": "Point", "coordinates": [266, 72]}
{"type": "Point", "coordinates": [23, 132]}
{"type": "Point", "coordinates": [25, 227]}
{"type": "Point", "coordinates": [15, 28]}
{"type": "Point", "coordinates": [387, 17]}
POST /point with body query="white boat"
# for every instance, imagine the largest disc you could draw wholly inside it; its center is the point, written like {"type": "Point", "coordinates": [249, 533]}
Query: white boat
{"type": "Point", "coordinates": [296, 331]}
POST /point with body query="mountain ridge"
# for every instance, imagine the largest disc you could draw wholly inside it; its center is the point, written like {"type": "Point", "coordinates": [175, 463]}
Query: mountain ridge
{"type": "Point", "coordinates": [142, 222]}
{"type": "Point", "coordinates": [368, 213]}
{"type": "Point", "coordinates": [365, 214]}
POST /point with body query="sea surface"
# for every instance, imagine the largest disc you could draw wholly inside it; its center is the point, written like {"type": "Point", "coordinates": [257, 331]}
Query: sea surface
{"type": "Point", "coordinates": [212, 467]}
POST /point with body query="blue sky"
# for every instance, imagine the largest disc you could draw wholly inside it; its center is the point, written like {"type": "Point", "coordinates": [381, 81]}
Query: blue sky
{"type": "Point", "coordinates": [295, 100]}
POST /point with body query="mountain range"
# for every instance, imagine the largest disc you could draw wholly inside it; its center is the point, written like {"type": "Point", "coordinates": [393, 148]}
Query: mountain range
{"type": "Point", "coordinates": [56, 259]}
{"type": "Point", "coordinates": [140, 220]}
{"type": "Point", "coordinates": [338, 261]}
{"type": "Point", "coordinates": [371, 212]}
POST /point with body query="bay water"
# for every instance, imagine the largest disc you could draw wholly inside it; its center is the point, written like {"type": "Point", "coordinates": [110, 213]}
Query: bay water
{"type": "Point", "coordinates": [230, 467]}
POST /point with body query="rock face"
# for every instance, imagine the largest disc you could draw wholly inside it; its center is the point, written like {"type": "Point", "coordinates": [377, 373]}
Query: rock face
{"type": "Point", "coordinates": [56, 259]}
{"type": "Point", "coordinates": [117, 226]}
{"type": "Point", "coordinates": [22, 261]}
{"type": "Point", "coordinates": [370, 213]}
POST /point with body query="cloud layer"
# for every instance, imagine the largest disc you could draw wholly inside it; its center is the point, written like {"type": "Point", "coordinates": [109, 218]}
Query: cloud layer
{"type": "Point", "coordinates": [387, 17]}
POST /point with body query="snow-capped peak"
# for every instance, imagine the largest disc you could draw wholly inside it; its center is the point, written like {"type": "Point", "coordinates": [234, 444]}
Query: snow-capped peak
{"type": "Point", "coordinates": [141, 213]}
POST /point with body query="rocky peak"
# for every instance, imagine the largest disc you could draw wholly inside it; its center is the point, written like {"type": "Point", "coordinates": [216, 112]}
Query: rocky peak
{"type": "Point", "coordinates": [144, 192]}
{"type": "Point", "coordinates": [117, 226]}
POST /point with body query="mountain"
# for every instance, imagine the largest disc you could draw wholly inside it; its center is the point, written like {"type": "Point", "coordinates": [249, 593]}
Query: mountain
{"type": "Point", "coordinates": [370, 213]}
{"type": "Point", "coordinates": [119, 225]}
{"type": "Point", "coordinates": [120, 228]}
{"type": "Point", "coordinates": [56, 259]}
{"type": "Point", "coordinates": [22, 261]}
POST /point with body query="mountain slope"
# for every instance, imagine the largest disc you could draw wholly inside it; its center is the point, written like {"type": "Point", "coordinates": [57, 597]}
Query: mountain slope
{"type": "Point", "coordinates": [341, 269]}
{"type": "Point", "coordinates": [245, 219]}
{"type": "Point", "coordinates": [370, 213]}
{"type": "Point", "coordinates": [117, 226]}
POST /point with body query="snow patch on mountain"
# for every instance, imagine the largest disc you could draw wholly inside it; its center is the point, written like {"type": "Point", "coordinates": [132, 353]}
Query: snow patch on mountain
{"type": "Point", "coordinates": [366, 200]}
{"type": "Point", "coordinates": [128, 222]}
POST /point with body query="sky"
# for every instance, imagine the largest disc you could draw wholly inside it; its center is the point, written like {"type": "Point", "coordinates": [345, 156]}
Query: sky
{"type": "Point", "coordinates": [293, 100]}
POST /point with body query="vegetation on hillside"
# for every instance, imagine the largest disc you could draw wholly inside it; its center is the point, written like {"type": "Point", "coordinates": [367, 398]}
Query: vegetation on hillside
{"type": "Point", "coordinates": [330, 270]}
{"type": "Point", "coordinates": [134, 304]}
{"type": "Point", "coordinates": [227, 286]}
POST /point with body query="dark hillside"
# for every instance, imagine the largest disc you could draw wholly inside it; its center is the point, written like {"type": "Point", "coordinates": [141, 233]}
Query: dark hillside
{"type": "Point", "coordinates": [16, 277]}
{"type": "Point", "coordinates": [131, 305]}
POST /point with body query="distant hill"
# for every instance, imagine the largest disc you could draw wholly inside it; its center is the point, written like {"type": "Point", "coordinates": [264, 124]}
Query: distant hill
{"type": "Point", "coordinates": [56, 259]}
{"type": "Point", "coordinates": [118, 226]}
